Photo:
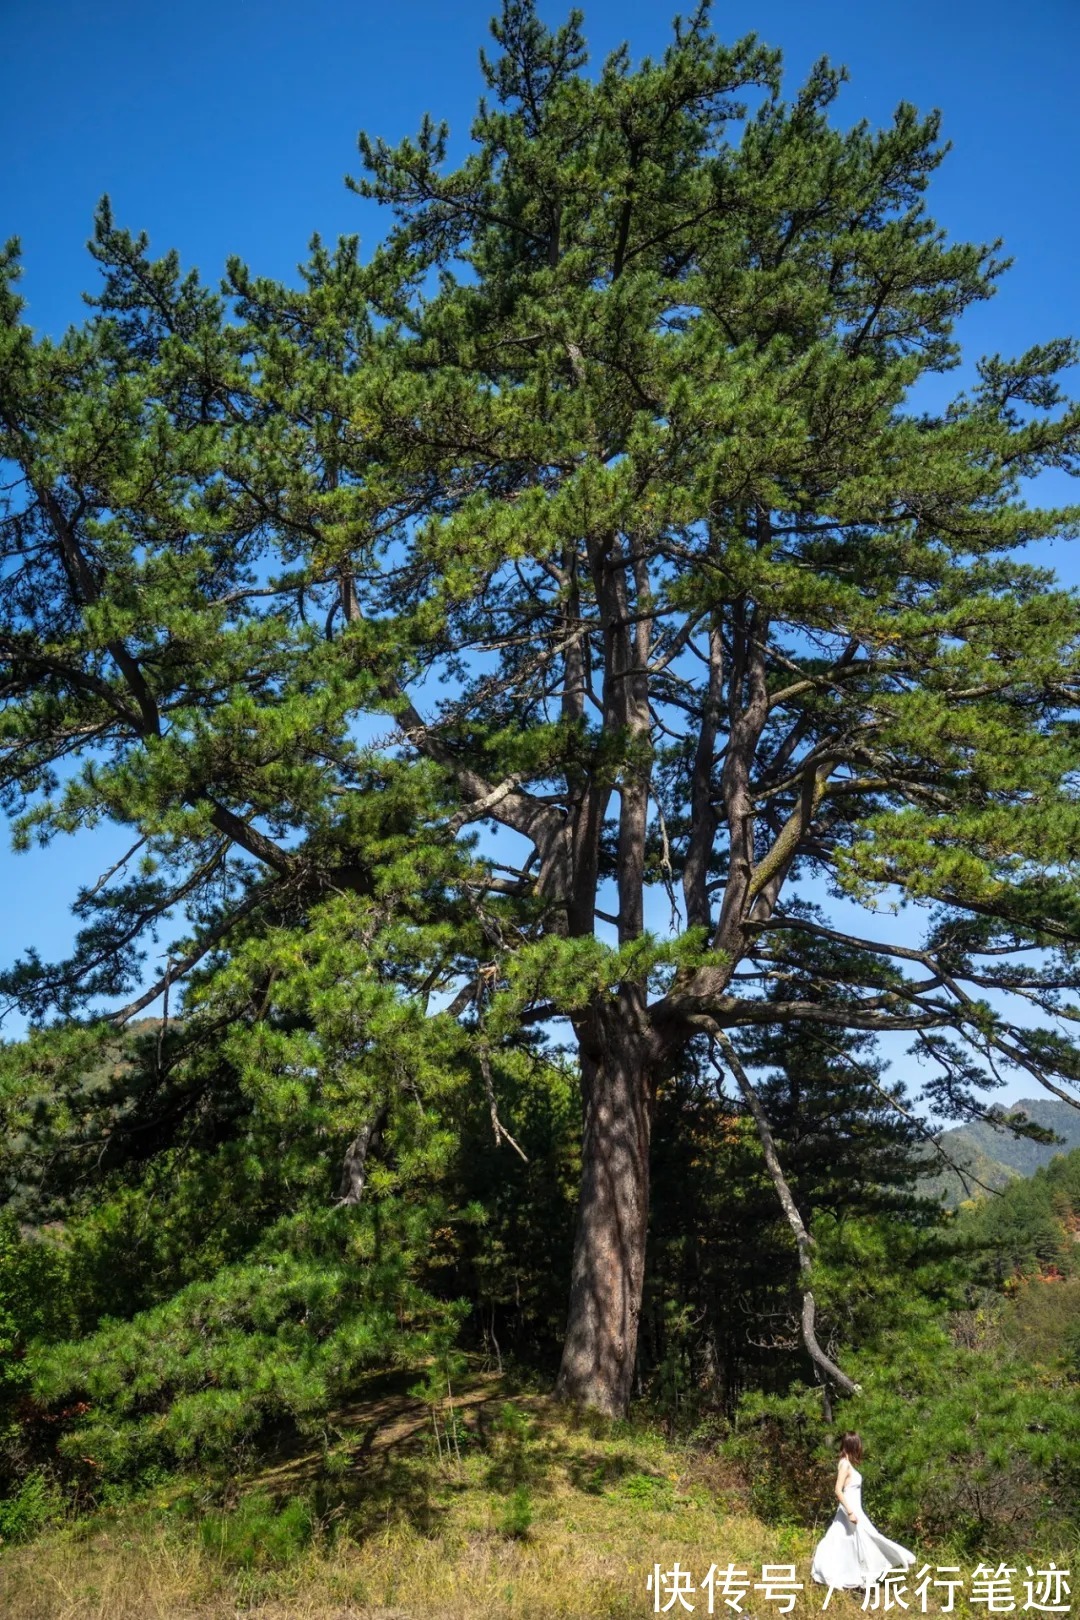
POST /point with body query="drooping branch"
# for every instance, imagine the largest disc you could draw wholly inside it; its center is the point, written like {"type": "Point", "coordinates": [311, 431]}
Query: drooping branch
{"type": "Point", "coordinates": [180, 965]}
{"type": "Point", "coordinates": [968, 1015]}
{"type": "Point", "coordinates": [804, 1242]}
{"type": "Point", "coordinates": [924, 1130]}
{"type": "Point", "coordinates": [497, 1126]}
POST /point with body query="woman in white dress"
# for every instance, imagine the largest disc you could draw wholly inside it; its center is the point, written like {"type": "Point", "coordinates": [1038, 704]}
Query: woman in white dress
{"type": "Point", "coordinates": [853, 1552]}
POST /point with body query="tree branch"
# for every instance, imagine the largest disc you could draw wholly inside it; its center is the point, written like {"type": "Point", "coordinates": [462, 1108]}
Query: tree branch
{"type": "Point", "coordinates": [803, 1240]}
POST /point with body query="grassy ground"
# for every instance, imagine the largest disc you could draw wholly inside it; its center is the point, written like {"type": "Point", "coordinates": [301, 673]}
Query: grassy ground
{"type": "Point", "coordinates": [473, 1515]}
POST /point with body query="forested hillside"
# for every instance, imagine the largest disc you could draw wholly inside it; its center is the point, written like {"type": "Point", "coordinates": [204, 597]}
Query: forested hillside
{"type": "Point", "coordinates": [162, 1323]}
{"type": "Point", "coordinates": [991, 1155]}
{"type": "Point", "coordinates": [965, 1337]}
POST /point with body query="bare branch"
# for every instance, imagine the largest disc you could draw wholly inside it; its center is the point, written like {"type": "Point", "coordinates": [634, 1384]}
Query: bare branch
{"type": "Point", "coordinates": [500, 1130]}
{"type": "Point", "coordinates": [803, 1240]}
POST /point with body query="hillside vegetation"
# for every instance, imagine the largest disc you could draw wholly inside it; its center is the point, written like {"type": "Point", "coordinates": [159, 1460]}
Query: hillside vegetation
{"type": "Point", "coordinates": [992, 1155]}
{"type": "Point", "coordinates": [521, 1513]}
{"type": "Point", "coordinates": [467, 1494]}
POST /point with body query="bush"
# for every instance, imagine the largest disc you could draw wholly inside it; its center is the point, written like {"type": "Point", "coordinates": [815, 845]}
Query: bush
{"type": "Point", "coordinates": [781, 1444]}
{"type": "Point", "coordinates": [265, 1345]}
{"type": "Point", "coordinates": [257, 1534]}
{"type": "Point", "coordinates": [518, 1514]}
{"type": "Point", "coordinates": [32, 1508]}
{"type": "Point", "coordinates": [512, 1464]}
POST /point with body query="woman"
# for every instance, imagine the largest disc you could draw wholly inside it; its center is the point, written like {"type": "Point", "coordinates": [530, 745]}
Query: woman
{"type": "Point", "coordinates": [852, 1552]}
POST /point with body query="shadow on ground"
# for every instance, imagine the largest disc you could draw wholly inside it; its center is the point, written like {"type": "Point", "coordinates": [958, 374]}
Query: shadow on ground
{"type": "Point", "coordinates": [392, 1457]}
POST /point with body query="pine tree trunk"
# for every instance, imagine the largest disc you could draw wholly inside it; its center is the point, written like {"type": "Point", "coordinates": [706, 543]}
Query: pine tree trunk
{"type": "Point", "coordinates": [613, 1210]}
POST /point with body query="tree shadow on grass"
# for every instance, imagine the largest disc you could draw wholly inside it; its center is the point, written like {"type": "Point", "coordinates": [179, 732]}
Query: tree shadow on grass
{"type": "Point", "coordinates": [397, 1459]}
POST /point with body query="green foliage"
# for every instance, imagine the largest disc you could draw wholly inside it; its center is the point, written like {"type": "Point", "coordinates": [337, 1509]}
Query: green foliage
{"type": "Point", "coordinates": [514, 1258]}
{"type": "Point", "coordinates": [221, 1294]}
{"type": "Point", "coordinates": [32, 1508]}
{"type": "Point", "coordinates": [33, 1276]}
{"type": "Point", "coordinates": [512, 1466]}
{"type": "Point", "coordinates": [967, 1407]}
{"type": "Point", "coordinates": [645, 358]}
{"type": "Point", "coordinates": [259, 1533]}
{"type": "Point", "coordinates": [1071, 1348]}
{"type": "Point", "coordinates": [34, 1304]}
{"type": "Point", "coordinates": [647, 1489]}
{"type": "Point", "coordinates": [724, 1296]}
{"type": "Point", "coordinates": [517, 1515]}
{"type": "Point", "coordinates": [614, 453]}
{"type": "Point", "coordinates": [962, 1446]}
{"type": "Point", "coordinates": [1021, 1232]}
{"type": "Point", "coordinates": [271, 1341]}
{"type": "Point", "coordinates": [781, 1445]}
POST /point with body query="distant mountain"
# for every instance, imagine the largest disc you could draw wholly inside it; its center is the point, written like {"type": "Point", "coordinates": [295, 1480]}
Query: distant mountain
{"type": "Point", "coordinates": [996, 1157]}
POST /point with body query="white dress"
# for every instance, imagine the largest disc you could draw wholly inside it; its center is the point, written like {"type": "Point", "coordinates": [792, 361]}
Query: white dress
{"type": "Point", "coordinates": [850, 1555]}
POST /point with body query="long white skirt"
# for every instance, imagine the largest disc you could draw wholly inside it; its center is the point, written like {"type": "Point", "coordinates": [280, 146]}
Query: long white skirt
{"type": "Point", "coordinates": [850, 1555]}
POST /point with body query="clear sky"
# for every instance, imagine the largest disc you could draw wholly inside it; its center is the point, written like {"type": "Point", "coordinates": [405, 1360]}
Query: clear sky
{"type": "Point", "coordinates": [227, 126]}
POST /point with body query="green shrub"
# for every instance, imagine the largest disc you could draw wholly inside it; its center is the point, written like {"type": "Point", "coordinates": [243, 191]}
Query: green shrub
{"type": "Point", "coordinates": [257, 1534]}
{"type": "Point", "coordinates": [268, 1343]}
{"type": "Point", "coordinates": [648, 1489]}
{"type": "Point", "coordinates": [781, 1444]}
{"type": "Point", "coordinates": [32, 1508]}
{"type": "Point", "coordinates": [517, 1515]}
{"type": "Point", "coordinates": [512, 1462]}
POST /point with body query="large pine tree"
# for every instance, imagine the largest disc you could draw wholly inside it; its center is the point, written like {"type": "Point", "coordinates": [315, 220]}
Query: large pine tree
{"type": "Point", "coordinates": [604, 489]}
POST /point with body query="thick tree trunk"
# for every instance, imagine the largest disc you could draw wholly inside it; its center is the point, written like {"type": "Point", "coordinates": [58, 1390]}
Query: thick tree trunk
{"type": "Point", "coordinates": [613, 1210]}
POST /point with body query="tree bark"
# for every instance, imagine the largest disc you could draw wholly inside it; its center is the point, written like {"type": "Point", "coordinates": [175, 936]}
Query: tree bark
{"type": "Point", "coordinates": [354, 1170]}
{"type": "Point", "coordinates": [609, 1248]}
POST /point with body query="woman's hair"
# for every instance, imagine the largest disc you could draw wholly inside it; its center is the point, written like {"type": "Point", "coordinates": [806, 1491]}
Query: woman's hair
{"type": "Point", "coordinates": [851, 1447]}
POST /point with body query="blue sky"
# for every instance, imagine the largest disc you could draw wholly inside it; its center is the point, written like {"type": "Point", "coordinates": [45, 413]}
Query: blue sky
{"type": "Point", "coordinates": [224, 128]}
{"type": "Point", "coordinates": [228, 128]}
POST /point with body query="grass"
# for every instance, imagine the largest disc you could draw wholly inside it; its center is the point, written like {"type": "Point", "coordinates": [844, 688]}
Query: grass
{"type": "Point", "coordinates": [489, 1512]}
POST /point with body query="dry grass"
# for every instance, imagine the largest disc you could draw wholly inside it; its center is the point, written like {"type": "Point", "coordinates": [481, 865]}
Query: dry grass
{"type": "Point", "coordinates": [418, 1538]}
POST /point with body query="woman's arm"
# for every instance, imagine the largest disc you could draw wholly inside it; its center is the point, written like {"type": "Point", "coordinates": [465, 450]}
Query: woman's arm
{"type": "Point", "coordinates": [842, 1474]}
